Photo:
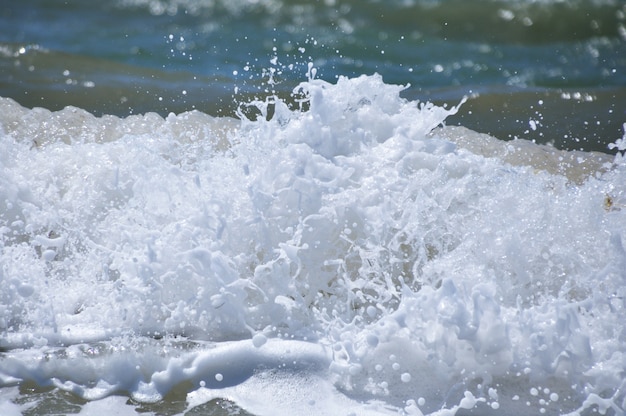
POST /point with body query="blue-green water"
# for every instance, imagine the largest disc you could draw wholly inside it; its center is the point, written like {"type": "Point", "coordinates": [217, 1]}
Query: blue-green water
{"type": "Point", "coordinates": [562, 64]}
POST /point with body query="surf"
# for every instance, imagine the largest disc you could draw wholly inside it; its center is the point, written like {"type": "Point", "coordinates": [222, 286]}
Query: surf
{"type": "Point", "coordinates": [350, 254]}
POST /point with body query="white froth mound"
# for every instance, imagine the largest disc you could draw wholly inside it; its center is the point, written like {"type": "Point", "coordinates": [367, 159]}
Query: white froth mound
{"type": "Point", "coordinates": [354, 257]}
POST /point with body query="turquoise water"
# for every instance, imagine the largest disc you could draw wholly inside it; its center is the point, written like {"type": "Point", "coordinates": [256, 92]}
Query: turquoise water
{"type": "Point", "coordinates": [134, 56]}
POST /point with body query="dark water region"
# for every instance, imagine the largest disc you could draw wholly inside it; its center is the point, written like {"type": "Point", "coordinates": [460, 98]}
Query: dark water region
{"type": "Point", "coordinates": [549, 71]}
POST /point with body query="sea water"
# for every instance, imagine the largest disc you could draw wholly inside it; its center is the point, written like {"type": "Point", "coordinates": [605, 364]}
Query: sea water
{"type": "Point", "coordinates": [552, 71]}
{"type": "Point", "coordinates": [330, 248]}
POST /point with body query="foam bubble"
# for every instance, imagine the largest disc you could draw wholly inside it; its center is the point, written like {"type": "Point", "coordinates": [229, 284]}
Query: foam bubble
{"type": "Point", "coordinates": [258, 340]}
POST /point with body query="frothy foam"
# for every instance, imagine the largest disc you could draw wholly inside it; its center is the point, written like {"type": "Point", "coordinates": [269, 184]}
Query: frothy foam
{"type": "Point", "coordinates": [350, 252]}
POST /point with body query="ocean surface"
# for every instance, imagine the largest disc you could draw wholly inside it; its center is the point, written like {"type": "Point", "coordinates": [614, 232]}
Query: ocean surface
{"type": "Point", "coordinates": [277, 207]}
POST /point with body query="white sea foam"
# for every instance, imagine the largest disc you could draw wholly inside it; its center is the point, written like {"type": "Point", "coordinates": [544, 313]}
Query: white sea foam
{"type": "Point", "coordinates": [353, 257]}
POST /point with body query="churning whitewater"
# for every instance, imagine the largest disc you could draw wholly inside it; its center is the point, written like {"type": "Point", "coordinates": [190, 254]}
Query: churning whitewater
{"type": "Point", "coordinates": [351, 256]}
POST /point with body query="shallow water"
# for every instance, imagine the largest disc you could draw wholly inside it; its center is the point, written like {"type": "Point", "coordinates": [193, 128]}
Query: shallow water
{"type": "Point", "coordinates": [235, 220]}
